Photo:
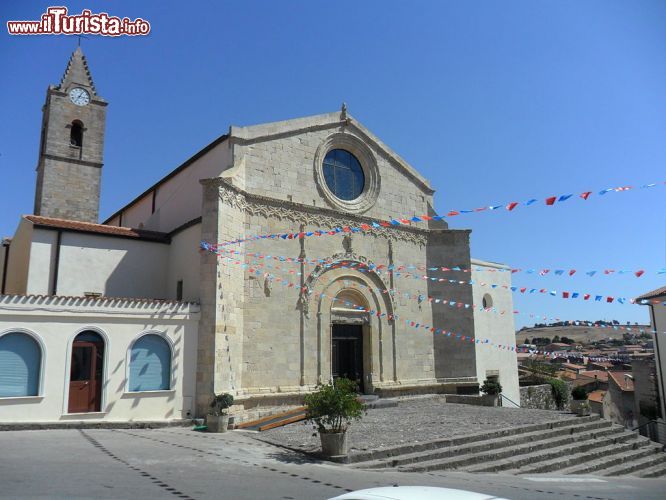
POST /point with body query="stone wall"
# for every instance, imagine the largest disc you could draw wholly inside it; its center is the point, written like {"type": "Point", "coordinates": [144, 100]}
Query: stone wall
{"type": "Point", "coordinates": [539, 397]}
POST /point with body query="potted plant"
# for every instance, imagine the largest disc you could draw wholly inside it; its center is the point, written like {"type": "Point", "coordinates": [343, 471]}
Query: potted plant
{"type": "Point", "coordinates": [331, 408]}
{"type": "Point", "coordinates": [491, 389]}
{"type": "Point", "coordinates": [217, 419]}
{"type": "Point", "coordinates": [579, 404]}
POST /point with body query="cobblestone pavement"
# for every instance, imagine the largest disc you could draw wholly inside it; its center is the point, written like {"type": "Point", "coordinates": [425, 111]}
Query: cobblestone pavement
{"type": "Point", "coordinates": [413, 421]}
{"type": "Point", "coordinates": [177, 463]}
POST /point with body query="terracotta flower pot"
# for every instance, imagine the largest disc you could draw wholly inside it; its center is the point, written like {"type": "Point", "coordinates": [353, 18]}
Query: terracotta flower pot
{"type": "Point", "coordinates": [333, 443]}
{"type": "Point", "coordinates": [217, 423]}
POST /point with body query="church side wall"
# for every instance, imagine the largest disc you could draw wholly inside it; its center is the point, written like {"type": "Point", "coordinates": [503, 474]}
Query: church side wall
{"type": "Point", "coordinates": [87, 263]}
{"type": "Point", "coordinates": [42, 262]}
{"type": "Point", "coordinates": [184, 264]}
{"type": "Point", "coordinates": [177, 200]}
{"type": "Point", "coordinates": [19, 259]}
{"type": "Point", "coordinates": [54, 322]}
{"type": "Point", "coordinates": [496, 325]}
{"type": "Point", "coordinates": [454, 356]}
{"type": "Point", "coordinates": [115, 267]}
{"type": "Point", "coordinates": [3, 251]}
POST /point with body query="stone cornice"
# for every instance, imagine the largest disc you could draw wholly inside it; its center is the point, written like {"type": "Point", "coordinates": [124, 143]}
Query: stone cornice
{"type": "Point", "coordinates": [324, 218]}
{"type": "Point", "coordinates": [73, 160]}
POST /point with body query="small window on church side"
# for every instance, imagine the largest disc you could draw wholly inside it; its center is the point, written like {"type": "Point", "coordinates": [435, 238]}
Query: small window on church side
{"type": "Point", "coordinates": [487, 301]}
{"type": "Point", "coordinates": [76, 134]}
{"type": "Point", "coordinates": [179, 290]}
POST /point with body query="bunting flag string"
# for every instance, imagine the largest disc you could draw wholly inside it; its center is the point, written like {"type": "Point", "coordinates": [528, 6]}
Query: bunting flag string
{"type": "Point", "coordinates": [577, 356]}
{"type": "Point", "coordinates": [379, 269]}
{"type": "Point", "coordinates": [255, 269]}
{"type": "Point", "coordinates": [407, 220]}
{"type": "Point", "coordinates": [410, 267]}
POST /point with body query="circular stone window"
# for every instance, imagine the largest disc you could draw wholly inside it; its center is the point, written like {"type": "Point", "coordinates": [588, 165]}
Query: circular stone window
{"type": "Point", "coordinates": [343, 174]}
{"type": "Point", "coordinates": [346, 173]}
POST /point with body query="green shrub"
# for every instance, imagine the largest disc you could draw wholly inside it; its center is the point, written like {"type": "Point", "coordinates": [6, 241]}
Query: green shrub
{"type": "Point", "coordinates": [579, 394]}
{"type": "Point", "coordinates": [491, 387]}
{"type": "Point", "coordinates": [560, 392]}
{"type": "Point", "coordinates": [220, 403]}
{"type": "Point", "coordinates": [333, 406]}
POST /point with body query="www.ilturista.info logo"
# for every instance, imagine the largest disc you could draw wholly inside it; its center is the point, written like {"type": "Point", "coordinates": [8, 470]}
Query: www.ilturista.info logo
{"type": "Point", "coordinates": [56, 21]}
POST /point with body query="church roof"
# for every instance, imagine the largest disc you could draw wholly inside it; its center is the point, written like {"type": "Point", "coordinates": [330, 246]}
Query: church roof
{"type": "Point", "coordinates": [77, 72]}
{"type": "Point", "coordinates": [659, 292]}
{"type": "Point", "coordinates": [87, 227]}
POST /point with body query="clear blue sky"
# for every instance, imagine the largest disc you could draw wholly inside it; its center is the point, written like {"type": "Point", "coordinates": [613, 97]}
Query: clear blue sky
{"type": "Point", "coordinates": [492, 101]}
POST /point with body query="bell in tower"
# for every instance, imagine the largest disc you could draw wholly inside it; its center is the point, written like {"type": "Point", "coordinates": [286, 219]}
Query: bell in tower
{"type": "Point", "coordinates": [71, 148]}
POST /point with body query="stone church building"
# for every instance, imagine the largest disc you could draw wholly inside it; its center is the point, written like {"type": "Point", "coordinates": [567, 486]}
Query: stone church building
{"type": "Point", "coordinates": [131, 319]}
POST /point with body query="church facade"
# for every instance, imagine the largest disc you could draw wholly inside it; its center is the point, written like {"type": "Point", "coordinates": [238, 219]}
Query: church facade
{"type": "Point", "coordinates": [158, 312]}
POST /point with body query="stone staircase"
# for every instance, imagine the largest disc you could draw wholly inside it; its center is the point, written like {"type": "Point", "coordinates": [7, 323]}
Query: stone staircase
{"type": "Point", "coordinates": [579, 445]}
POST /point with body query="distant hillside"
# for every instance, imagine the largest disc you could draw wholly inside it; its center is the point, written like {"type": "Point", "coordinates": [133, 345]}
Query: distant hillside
{"type": "Point", "coordinates": [583, 334]}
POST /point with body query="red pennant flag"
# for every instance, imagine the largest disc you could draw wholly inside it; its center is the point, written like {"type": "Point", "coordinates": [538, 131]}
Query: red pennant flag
{"type": "Point", "coordinates": [512, 205]}
{"type": "Point", "coordinates": [425, 217]}
{"type": "Point", "coordinates": [365, 227]}
{"type": "Point", "coordinates": [522, 290]}
{"type": "Point", "coordinates": [551, 200]}
{"type": "Point", "coordinates": [572, 272]}
{"type": "Point", "coordinates": [384, 224]}
{"type": "Point", "coordinates": [586, 194]}
{"type": "Point", "coordinates": [565, 295]}
{"type": "Point", "coordinates": [639, 273]}
{"type": "Point", "coordinates": [609, 299]}
{"type": "Point", "coordinates": [452, 213]}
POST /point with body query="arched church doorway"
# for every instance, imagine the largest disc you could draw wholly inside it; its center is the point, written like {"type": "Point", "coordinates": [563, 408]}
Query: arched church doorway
{"type": "Point", "coordinates": [348, 323]}
{"type": "Point", "coordinates": [86, 373]}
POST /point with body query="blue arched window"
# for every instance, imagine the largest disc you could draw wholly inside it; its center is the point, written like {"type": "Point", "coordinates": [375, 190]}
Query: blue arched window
{"type": "Point", "coordinates": [344, 174]}
{"type": "Point", "coordinates": [20, 364]}
{"type": "Point", "coordinates": [150, 364]}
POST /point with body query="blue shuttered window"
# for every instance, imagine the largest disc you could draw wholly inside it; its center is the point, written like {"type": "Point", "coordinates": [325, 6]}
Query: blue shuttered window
{"type": "Point", "coordinates": [150, 364]}
{"type": "Point", "coordinates": [20, 363]}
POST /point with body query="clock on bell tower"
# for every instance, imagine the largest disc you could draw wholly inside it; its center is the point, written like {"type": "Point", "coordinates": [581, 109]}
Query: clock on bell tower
{"type": "Point", "coordinates": [71, 148]}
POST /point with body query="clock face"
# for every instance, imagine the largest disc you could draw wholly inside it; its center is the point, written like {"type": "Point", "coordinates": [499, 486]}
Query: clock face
{"type": "Point", "coordinates": [79, 96]}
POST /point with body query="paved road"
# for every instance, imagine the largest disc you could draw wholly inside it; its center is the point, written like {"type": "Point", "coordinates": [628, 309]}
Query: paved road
{"type": "Point", "coordinates": [179, 463]}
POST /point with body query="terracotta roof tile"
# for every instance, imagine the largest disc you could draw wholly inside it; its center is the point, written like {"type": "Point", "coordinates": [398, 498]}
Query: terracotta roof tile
{"type": "Point", "coordinates": [596, 396]}
{"type": "Point", "coordinates": [624, 383]}
{"type": "Point", "coordinates": [88, 227]}
{"type": "Point", "coordinates": [600, 375]}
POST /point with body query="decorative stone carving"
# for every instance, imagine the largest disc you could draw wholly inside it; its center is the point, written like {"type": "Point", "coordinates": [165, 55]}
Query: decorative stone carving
{"type": "Point", "coordinates": [268, 285]}
{"type": "Point", "coordinates": [366, 158]}
{"type": "Point", "coordinates": [347, 243]}
{"type": "Point", "coordinates": [310, 216]}
{"type": "Point", "coordinates": [308, 286]}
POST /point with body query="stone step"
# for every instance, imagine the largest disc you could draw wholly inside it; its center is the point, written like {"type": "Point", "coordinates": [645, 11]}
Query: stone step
{"type": "Point", "coordinates": [653, 456]}
{"type": "Point", "coordinates": [364, 456]}
{"type": "Point", "coordinates": [547, 458]}
{"type": "Point", "coordinates": [654, 471]}
{"type": "Point", "coordinates": [599, 427]}
{"type": "Point", "coordinates": [587, 462]}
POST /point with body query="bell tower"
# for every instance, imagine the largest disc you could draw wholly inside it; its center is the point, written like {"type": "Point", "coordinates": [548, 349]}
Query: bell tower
{"type": "Point", "coordinates": [71, 148]}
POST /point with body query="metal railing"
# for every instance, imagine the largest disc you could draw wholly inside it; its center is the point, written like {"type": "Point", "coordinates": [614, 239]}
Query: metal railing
{"type": "Point", "coordinates": [503, 397]}
{"type": "Point", "coordinates": [652, 432]}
